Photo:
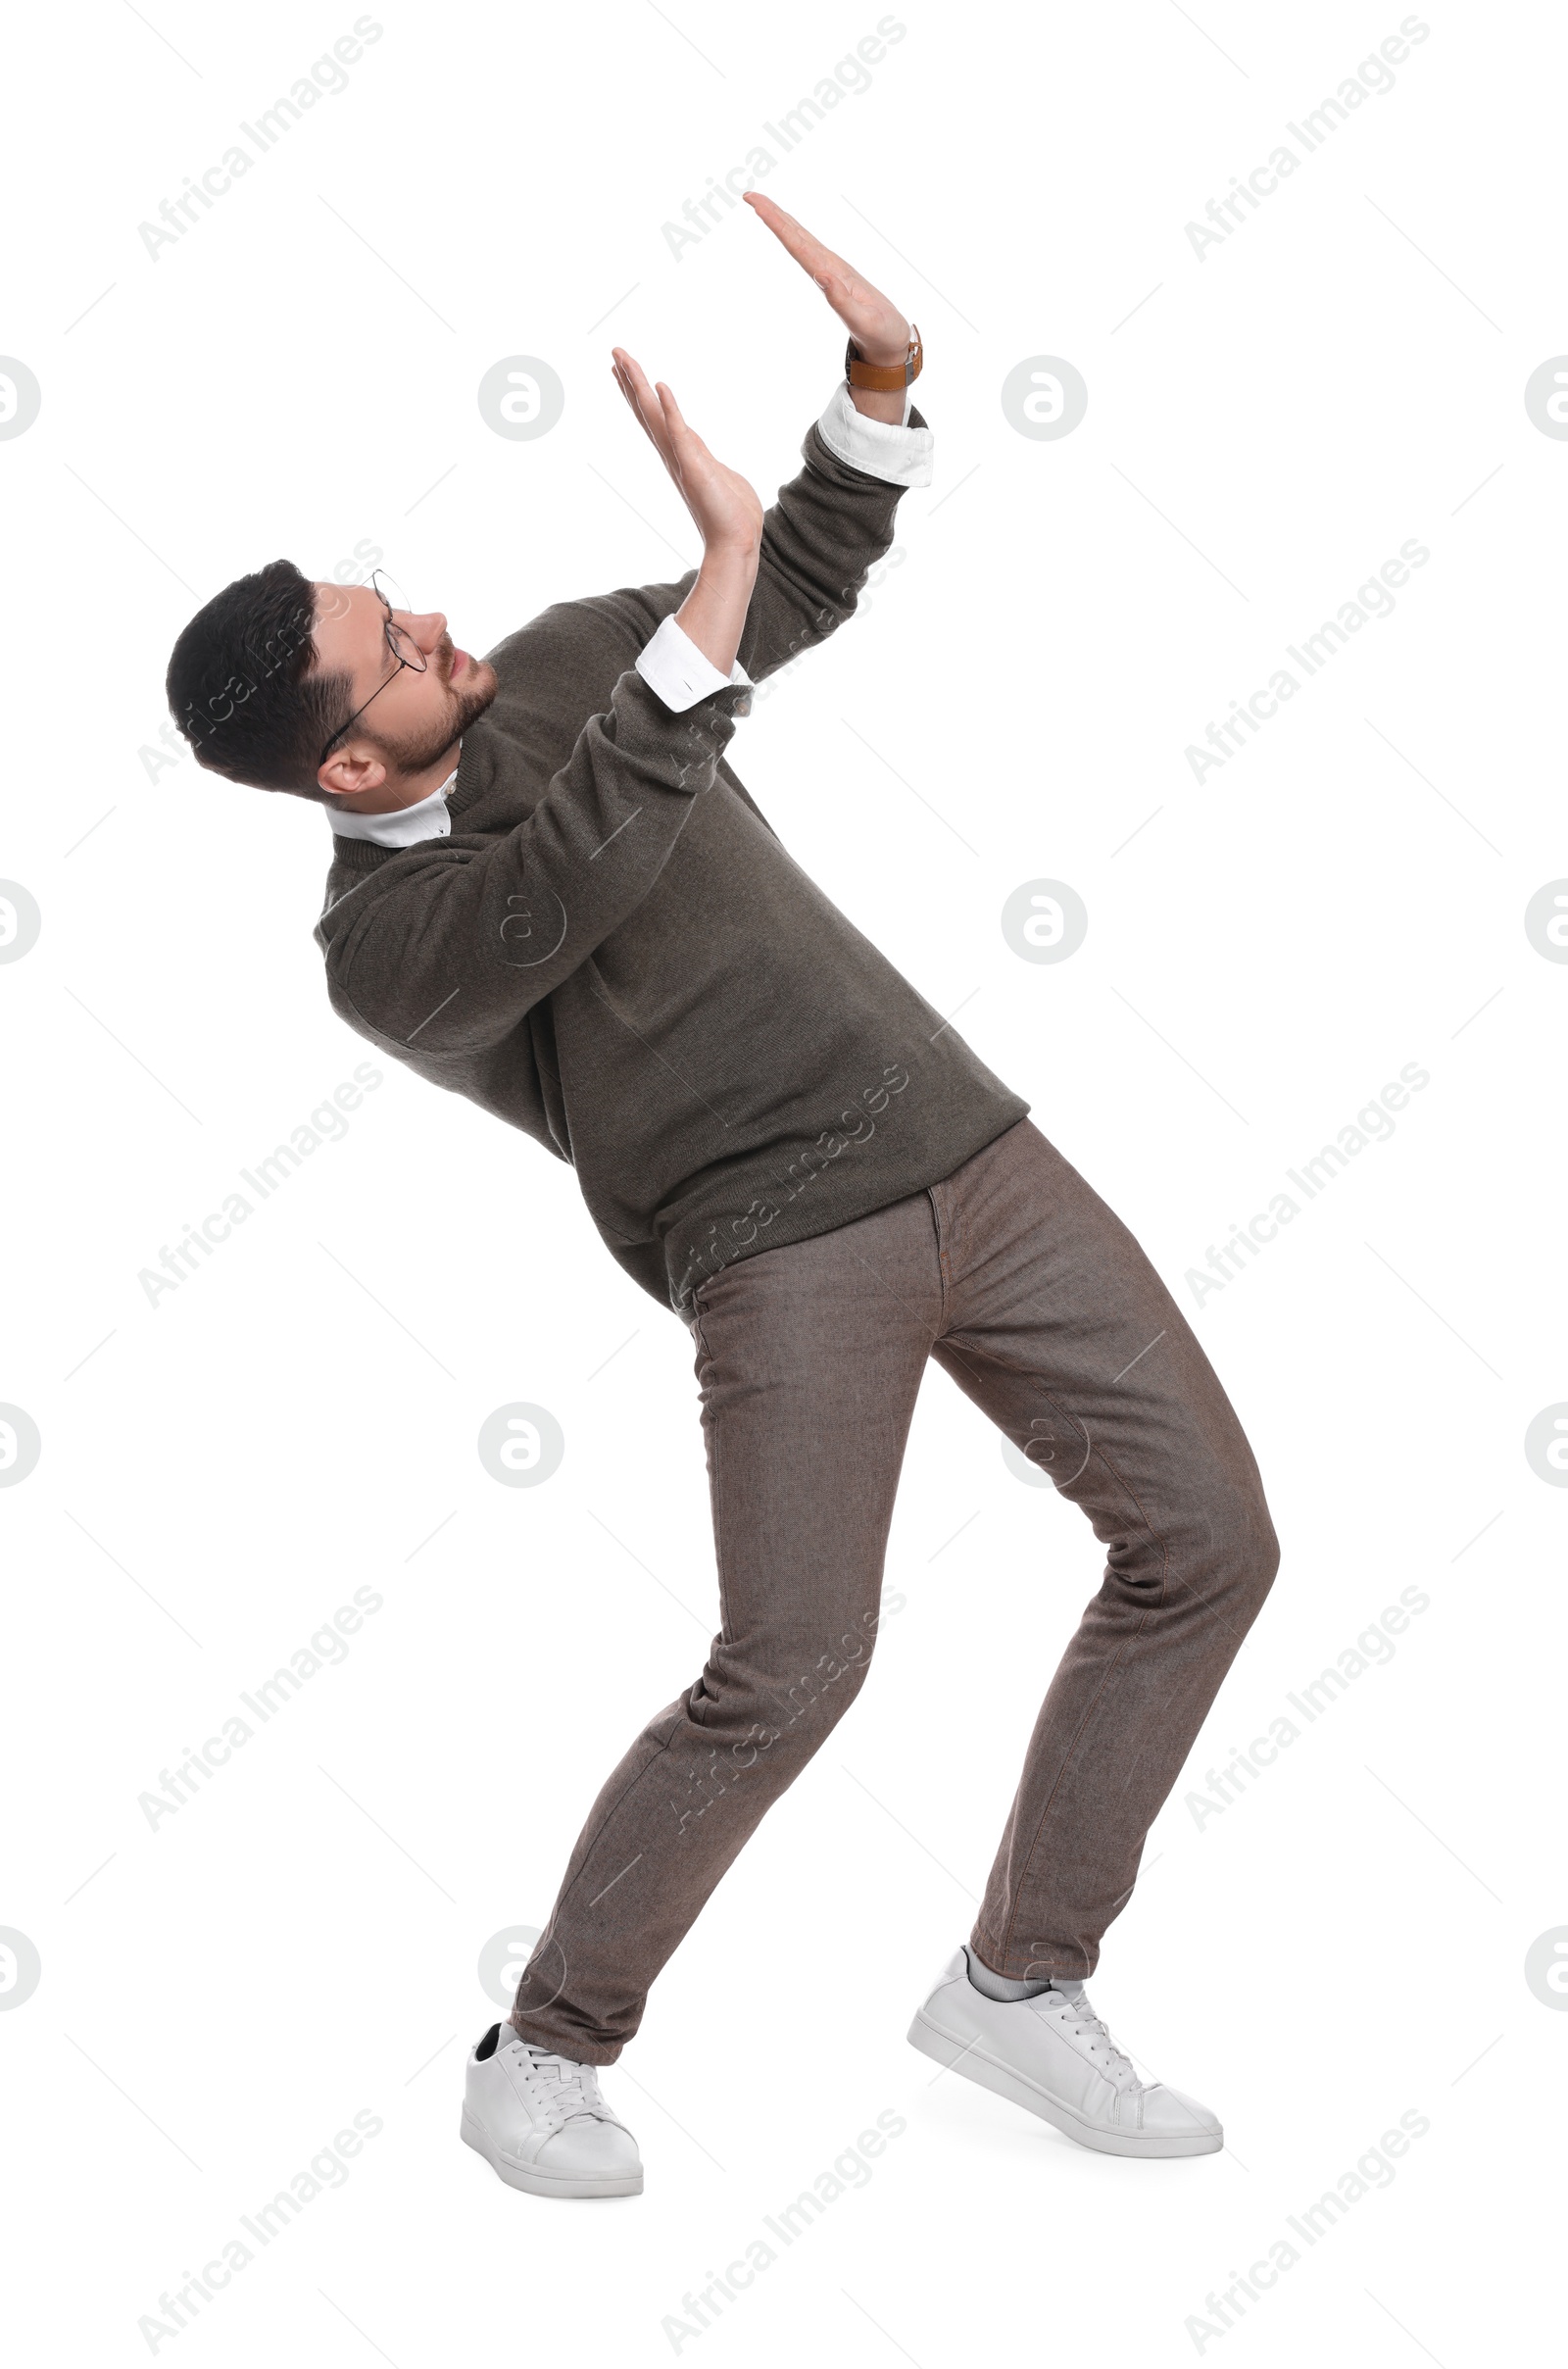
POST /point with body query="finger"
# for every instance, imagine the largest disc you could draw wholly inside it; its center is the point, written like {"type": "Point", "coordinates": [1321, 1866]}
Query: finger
{"type": "Point", "coordinates": [806, 247]}
{"type": "Point", "coordinates": [683, 440]}
{"type": "Point", "coordinates": [633, 385]}
{"type": "Point", "coordinates": [636, 409]}
{"type": "Point", "coordinates": [623, 381]}
{"type": "Point", "coordinates": [633, 378]}
{"type": "Point", "coordinates": [670, 408]}
{"type": "Point", "coordinates": [634, 402]}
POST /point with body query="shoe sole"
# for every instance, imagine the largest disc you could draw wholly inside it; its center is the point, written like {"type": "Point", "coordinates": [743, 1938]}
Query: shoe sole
{"type": "Point", "coordinates": [540, 2184]}
{"type": "Point", "coordinates": [968, 2059]}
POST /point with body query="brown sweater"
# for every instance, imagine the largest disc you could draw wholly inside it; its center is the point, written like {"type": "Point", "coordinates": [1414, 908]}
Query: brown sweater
{"type": "Point", "coordinates": [615, 952]}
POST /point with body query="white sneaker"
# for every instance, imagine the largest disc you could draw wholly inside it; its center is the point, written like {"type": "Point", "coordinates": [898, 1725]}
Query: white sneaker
{"type": "Point", "coordinates": [540, 2123]}
{"type": "Point", "coordinates": [1052, 2054]}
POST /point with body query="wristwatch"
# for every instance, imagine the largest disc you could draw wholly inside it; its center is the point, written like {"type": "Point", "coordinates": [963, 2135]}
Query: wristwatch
{"type": "Point", "coordinates": [877, 378]}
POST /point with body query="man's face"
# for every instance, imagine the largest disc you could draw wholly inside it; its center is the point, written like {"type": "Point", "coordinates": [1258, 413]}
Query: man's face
{"type": "Point", "coordinates": [412, 719]}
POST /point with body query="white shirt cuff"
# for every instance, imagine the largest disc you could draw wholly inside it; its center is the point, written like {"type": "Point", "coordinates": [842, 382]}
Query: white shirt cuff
{"type": "Point", "coordinates": [676, 672]}
{"type": "Point", "coordinates": [900, 455]}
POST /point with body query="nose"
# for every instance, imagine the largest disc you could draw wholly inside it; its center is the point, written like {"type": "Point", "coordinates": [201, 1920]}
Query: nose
{"type": "Point", "coordinates": [428, 631]}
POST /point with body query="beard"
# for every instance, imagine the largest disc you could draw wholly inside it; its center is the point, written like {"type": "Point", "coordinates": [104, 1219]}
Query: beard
{"type": "Point", "coordinates": [417, 753]}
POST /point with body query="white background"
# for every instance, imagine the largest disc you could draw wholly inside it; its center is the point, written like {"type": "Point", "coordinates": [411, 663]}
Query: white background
{"type": "Point", "coordinates": [222, 1993]}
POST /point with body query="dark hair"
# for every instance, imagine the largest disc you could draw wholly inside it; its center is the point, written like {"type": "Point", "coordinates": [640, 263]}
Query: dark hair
{"type": "Point", "coordinates": [239, 687]}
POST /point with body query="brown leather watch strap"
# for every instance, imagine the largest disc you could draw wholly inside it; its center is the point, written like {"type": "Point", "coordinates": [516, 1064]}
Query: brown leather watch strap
{"type": "Point", "coordinates": [877, 378]}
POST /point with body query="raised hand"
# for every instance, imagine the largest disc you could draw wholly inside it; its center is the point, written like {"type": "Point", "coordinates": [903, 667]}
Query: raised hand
{"type": "Point", "coordinates": [724, 506]}
{"type": "Point", "coordinates": [879, 329]}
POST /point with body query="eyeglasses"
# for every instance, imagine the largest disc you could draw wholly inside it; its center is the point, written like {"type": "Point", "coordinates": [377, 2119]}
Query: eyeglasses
{"type": "Point", "coordinates": [405, 650]}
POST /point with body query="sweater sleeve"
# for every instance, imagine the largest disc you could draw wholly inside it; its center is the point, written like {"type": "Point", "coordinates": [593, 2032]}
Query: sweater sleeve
{"type": "Point", "coordinates": [820, 540]}
{"type": "Point", "coordinates": [822, 537]}
{"type": "Point", "coordinates": [447, 945]}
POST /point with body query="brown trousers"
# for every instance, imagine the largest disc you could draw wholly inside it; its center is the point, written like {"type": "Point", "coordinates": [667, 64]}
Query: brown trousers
{"type": "Point", "coordinates": [1024, 1287]}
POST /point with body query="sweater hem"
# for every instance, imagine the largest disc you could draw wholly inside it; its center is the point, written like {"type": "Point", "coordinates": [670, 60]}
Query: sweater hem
{"type": "Point", "coordinates": [852, 1197]}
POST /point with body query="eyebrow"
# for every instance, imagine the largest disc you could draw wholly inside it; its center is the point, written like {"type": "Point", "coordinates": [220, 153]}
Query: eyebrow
{"type": "Point", "coordinates": [384, 612]}
{"type": "Point", "coordinates": [383, 617]}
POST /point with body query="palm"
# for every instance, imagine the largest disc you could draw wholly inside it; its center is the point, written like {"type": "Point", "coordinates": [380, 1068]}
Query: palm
{"type": "Point", "coordinates": [723, 506]}
{"type": "Point", "coordinates": [877, 327]}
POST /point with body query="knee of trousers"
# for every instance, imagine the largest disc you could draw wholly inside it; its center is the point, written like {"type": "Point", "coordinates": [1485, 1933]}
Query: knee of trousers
{"type": "Point", "coordinates": [1246, 1546]}
{"type": "Point", "coordinates": [796, 1696]}
{"type": "Point", "coordinates": [1220, 1549]}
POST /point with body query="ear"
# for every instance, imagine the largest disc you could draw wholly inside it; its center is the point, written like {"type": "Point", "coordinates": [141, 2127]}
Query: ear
{"type": "Point", "coordinates": [348, 772]}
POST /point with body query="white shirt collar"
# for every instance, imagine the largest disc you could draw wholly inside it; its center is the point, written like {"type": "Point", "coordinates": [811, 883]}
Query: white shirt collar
{"type": "Point", "coordinates": [406, 825]}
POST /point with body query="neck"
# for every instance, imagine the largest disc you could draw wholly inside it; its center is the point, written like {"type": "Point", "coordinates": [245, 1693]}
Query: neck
{"type": "Point", "coordinates": [399, 790]}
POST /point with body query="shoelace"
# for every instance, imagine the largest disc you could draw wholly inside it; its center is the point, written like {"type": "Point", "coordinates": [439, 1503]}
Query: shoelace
{"type": "Point", "coordinates": [563, 2088]}
{"type": "Point", "coordinates": [1083, 2021]}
